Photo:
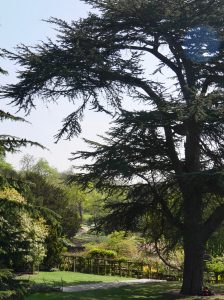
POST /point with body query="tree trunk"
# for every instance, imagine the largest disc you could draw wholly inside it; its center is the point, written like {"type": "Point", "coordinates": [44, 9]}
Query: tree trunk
{"type": "Point", "coordinates": [193, 266]}
{"type": "Point", "coordinates": [194, 243]}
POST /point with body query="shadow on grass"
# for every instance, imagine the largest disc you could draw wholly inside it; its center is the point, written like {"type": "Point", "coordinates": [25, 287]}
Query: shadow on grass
{"type": "Point", "coordinates": [161, 291]}
{"type": "Point", "coordinates": [72, 283]}
{"type": "Point", "coordinates": [61, 282]}
{"type": "Point", "coordinates": [150, 291]}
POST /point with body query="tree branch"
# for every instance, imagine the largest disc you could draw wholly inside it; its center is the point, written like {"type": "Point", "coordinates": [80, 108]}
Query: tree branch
{"type": "Point", "coordinates": [213, 222]}
{"type": "Point", "coordinates": [133, 81]}
{"type": "Point", "coordinates": [172, 151]}
{"type": "Point", "coordinates": [164, 260]}
{"type": "Point", "coordinates": [170, 217]}
{"type": "Point", "coordinates": [208, 81]}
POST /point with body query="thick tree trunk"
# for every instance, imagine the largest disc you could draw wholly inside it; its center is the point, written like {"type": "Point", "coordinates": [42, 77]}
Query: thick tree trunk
{"type": "Point", "coordinates": [193, 266]}
{"type": "Point", "coordinates": [194, 244]}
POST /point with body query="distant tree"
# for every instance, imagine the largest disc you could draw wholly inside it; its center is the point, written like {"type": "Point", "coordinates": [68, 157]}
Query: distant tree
{"type": "Point", "coordinates": [27, 162]}
{"type": "Point", "coordinates": [94, 207]}
{"type": "Point", "coordinates": [77, 199]}
{"type": "Point", "coordinates": [6, 169]}
{"type": "Point", "coordinates": [45, 193]}
{"type": "Point", "coordinates": [176, 142]}
{"type": "Point", "coordinates": [43, 168]}
{"type": "Point", "coordinates": [55, 247]}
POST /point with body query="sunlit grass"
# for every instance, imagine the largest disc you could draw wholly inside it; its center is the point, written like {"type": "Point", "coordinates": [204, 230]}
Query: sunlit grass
{"type": "Point", "coordinates": [149, 291]}
{"type": "Point", "coordinates": [70, 278]}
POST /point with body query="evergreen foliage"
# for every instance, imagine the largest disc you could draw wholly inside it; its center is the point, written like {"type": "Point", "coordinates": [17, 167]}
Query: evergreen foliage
{"type": "Point", "coordinates": [55, 196]}
{"type": "Point", "coordinates": [215, 245]}
{"type": "Point", "coordinates": [17, 240]}
{"type": "Point", "coordinates": [176, 143]}
{"type": "Point", "coordinates": [10, 143]}
{"type": "Point", "coordinates": [10, 288]}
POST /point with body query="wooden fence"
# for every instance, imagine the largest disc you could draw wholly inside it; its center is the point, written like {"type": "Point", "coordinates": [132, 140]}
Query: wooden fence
{"type": "Point", "coordinates": [115, 267]}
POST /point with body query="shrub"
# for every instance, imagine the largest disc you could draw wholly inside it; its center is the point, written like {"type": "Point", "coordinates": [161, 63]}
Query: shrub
{"type": "Point", "coordinates": [123, 259]}
{"type": "Point", "coordinates": [216, 265]}
{"type": "Point", "coordinates": [125, 245]}
{"type": "Point", "coordinates": [10, 288]}
{"type": "Point", "coordinates": [102, 253]}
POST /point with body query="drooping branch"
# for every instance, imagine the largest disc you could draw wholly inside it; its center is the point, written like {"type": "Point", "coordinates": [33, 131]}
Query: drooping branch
{"type": "Point", "coordinates": [164, 205]}
{"type": "Point", "coordinates": [213, 222]}
{"type": "Point", "coordinates": [137, 82]}
{"type": "Point", "coordinates": [164, 260]}
{"type": "Point", "coordinates": [211, 79]}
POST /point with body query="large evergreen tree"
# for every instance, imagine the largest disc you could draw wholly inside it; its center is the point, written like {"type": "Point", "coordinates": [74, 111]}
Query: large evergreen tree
{"type": "Point", "coordinates": [178, 139]}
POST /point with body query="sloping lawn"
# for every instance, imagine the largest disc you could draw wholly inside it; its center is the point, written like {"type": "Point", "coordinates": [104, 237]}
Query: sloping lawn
{"type": "Point", "coordinates": [70, 278]}
{"type": "Point", "coordinates": [149, 291]}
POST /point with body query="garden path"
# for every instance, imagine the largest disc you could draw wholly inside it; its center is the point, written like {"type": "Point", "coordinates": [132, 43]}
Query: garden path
{"type": "Point", "coordinates": [105, 285]}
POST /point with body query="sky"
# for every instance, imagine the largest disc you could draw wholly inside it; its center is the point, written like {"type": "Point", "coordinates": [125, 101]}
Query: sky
{"type": "Point", "coordinates": [21, 22]}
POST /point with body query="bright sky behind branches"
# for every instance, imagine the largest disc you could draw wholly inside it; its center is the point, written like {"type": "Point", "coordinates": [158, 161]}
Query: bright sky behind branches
{"type": "Point", "coordinates": [21, 22]}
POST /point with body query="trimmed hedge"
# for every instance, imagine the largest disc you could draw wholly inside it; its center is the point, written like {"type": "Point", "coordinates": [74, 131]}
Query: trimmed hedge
{"type": "Point", "coordinates": [102, 253]}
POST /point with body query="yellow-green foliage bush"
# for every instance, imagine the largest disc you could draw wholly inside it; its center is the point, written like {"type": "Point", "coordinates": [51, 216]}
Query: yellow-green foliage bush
{"type": "Point", "coordinates": [124, 245]}
{"type": "Point", "coordinates": [22, 233]}
{"type": "Point", "coordinates": [102, 253]}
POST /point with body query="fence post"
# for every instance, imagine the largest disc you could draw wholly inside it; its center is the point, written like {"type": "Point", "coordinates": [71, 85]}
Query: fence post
{"type": "Point", "coordinates": [110, 263]}
{"type": "Point", "coordinates": [91, 265]}
{"type": "Point", "coordinates": [120, 268]}
{"type": "Point", "coordinates": [129, 269]}
{"type": "Point", "coordinates": [98, 266]}
{"type": "Point", "coordinates": [74, 264]}
{"type": "Point", "coordinates": [105, 266]}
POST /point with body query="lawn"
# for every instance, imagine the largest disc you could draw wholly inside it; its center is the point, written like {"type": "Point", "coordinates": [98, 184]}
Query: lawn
{"type": "Point", "coordinates": [152, 291]}
{"type": "Point", "coordinates": [70, 278]}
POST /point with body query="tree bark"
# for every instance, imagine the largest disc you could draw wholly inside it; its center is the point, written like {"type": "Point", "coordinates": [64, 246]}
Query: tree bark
{"type": "Point", "coordinates": [193, 241]}
{"type": "Point", "coordinates": [193, 266]}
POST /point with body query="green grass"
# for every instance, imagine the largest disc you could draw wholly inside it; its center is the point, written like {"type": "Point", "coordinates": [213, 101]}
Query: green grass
{"type": "Point", "coordinates": [70, 278]}
{"type": "Point", "coordinates": [150, 291]}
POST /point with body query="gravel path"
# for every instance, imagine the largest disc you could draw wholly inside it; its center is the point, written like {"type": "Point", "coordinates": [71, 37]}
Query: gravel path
{"type": "Point", "coordinates": [105, 285]}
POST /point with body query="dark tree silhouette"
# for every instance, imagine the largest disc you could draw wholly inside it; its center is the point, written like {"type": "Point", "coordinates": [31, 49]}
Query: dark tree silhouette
{"type": "Point", "coordinates": [178, 138]}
